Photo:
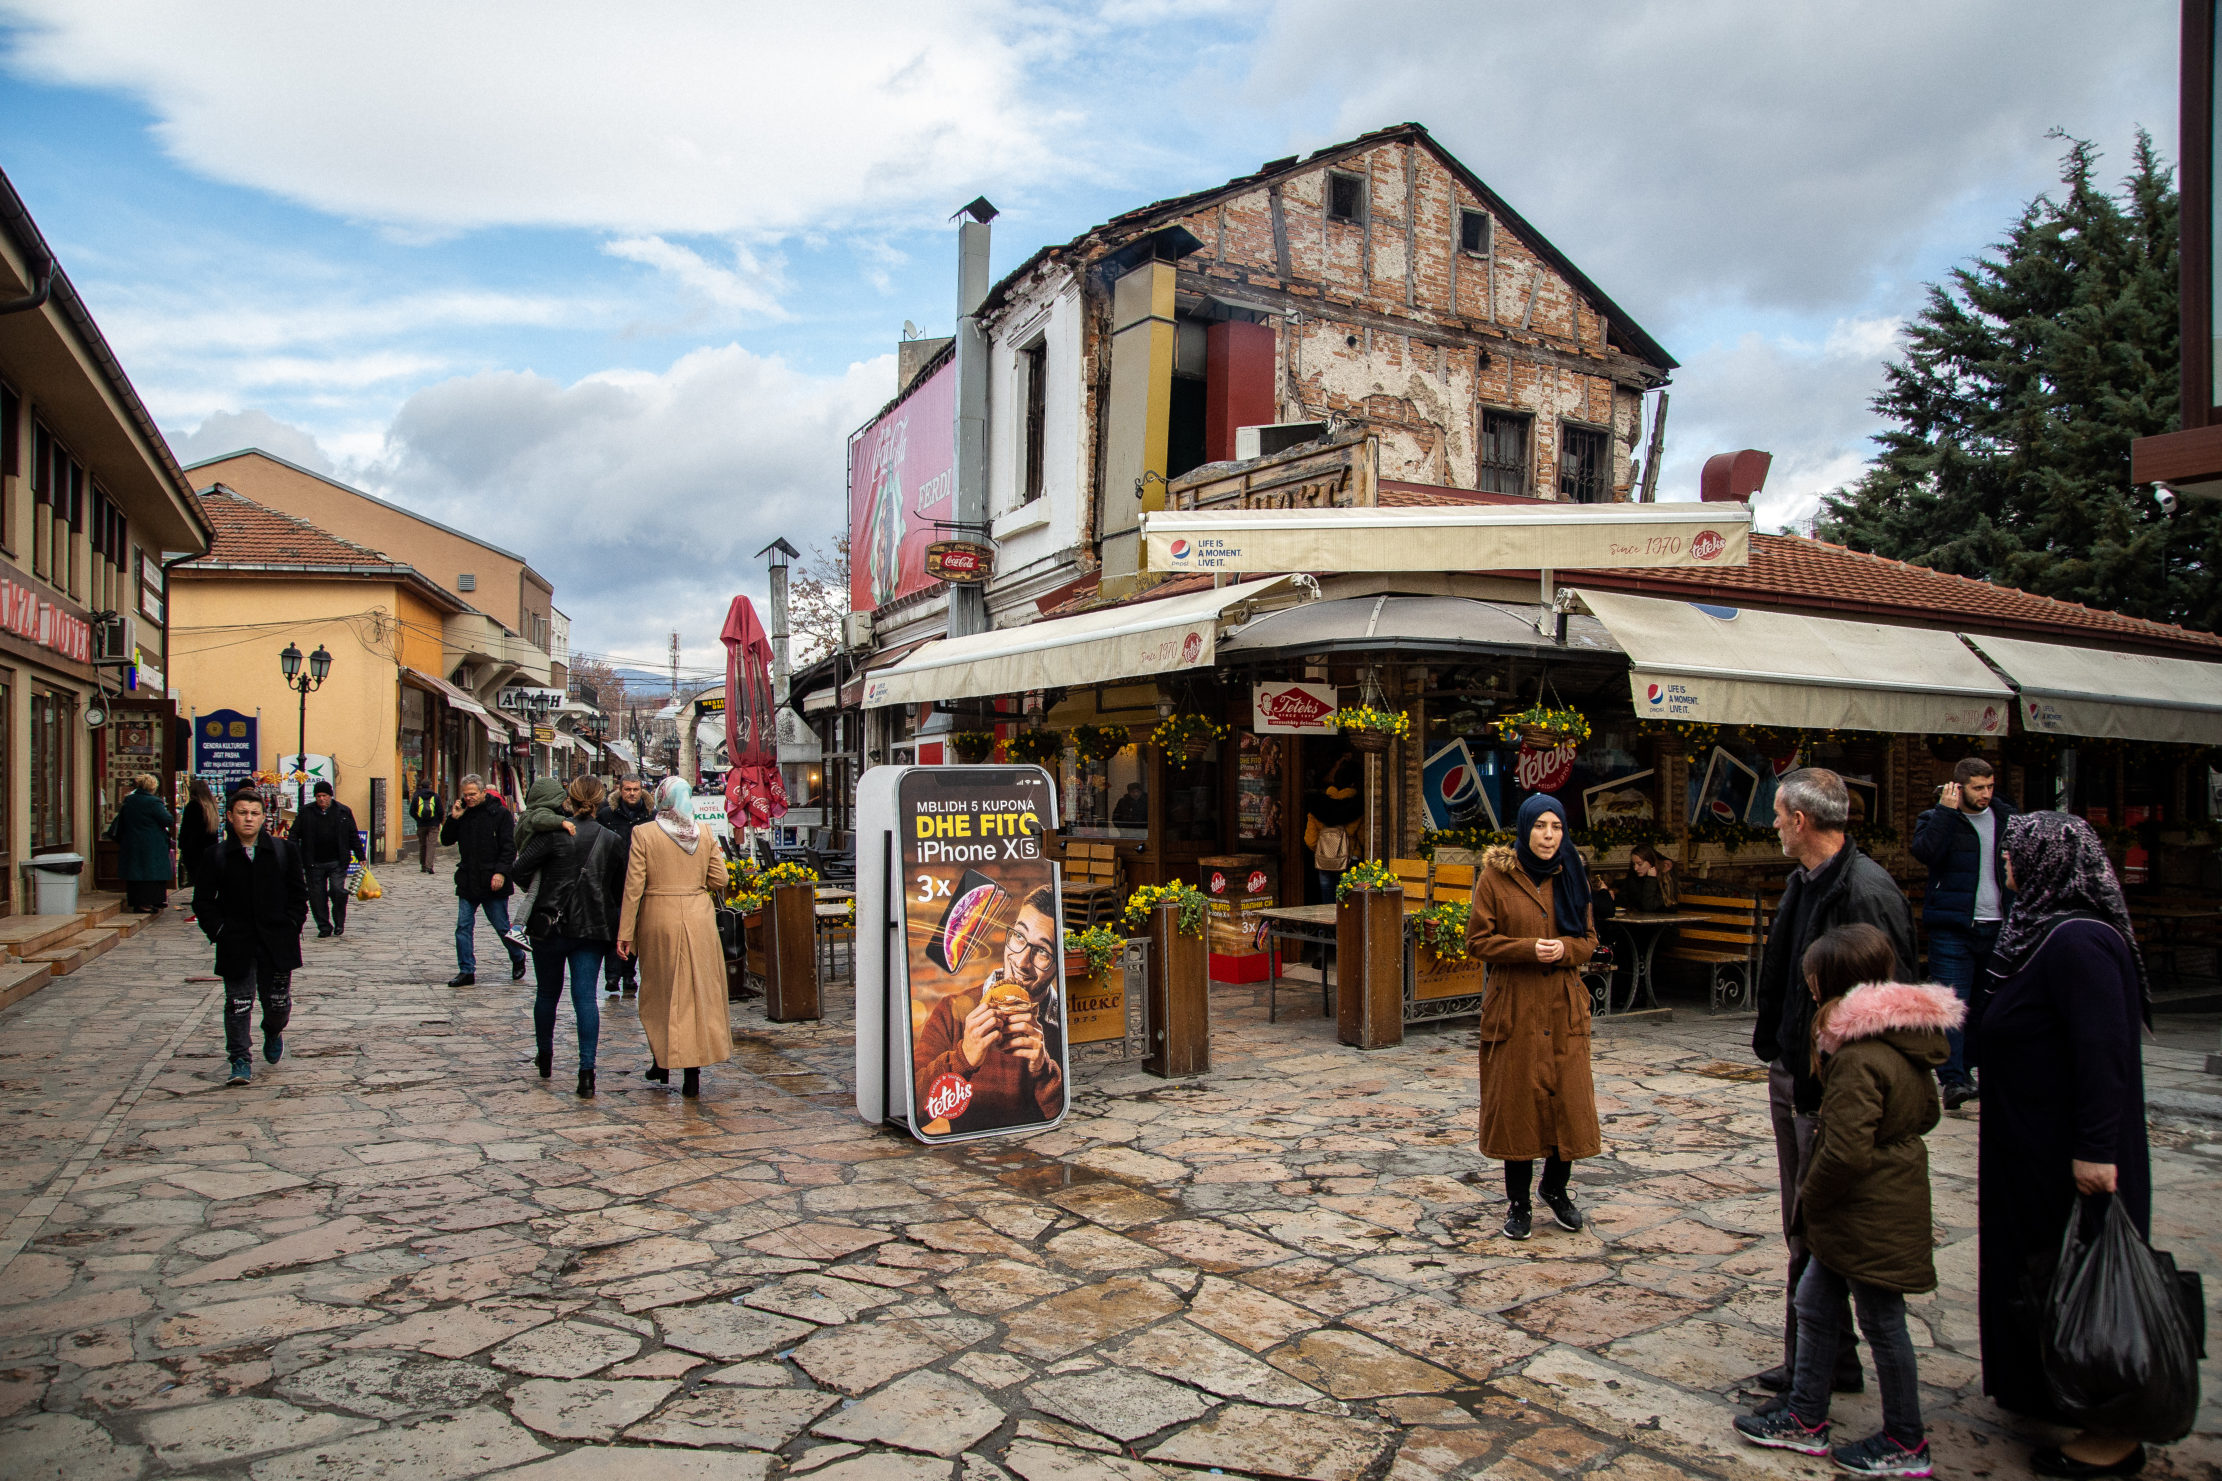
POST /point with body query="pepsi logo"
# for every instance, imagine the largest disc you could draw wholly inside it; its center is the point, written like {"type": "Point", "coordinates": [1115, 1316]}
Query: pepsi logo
{"type": "Point", "coordinates": [1655, 695]}
{"type": "Point", "coordinates": [1708, 544]}
{"type": "Point", "coordinates": [1180, 550]}
{"type": "Point", "coordinates": [1723, 811]}
{"type": "Point", "coordinates": [1453, 780]}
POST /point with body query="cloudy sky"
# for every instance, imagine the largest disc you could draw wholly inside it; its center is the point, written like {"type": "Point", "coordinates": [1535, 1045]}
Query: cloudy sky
{"type": "Point", "coordinates": [610, 284]}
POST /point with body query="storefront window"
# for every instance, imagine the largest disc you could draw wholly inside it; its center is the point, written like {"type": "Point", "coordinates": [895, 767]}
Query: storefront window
{"type": "Point", "coordinates": [53, 768]}
{"type": "Point", "coordinates": [416, 747]}
{"type": "Point", "coordinates": [1110, 798]}
{"type": "Point", "coordinates": [1192, 800]}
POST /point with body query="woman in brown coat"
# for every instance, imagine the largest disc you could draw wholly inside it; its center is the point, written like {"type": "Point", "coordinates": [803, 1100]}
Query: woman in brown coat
{"type": "Point", "coordinates": [672, 875]}
{"type": "Point", "coordinates": [1531, 925]}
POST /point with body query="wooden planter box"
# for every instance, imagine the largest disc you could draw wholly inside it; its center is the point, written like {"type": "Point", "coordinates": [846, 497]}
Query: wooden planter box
{"type": "Point", "coordinates": [791, 955]}
{"type": "Point", "coordinates": [1369, 968]}
{"type": "Point", "coordinates": [1178, 1002]}
{"type": "Point", "coordinates": [1095, 1003]}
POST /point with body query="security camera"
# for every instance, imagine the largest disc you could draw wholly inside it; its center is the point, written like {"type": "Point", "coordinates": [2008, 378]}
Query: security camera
{"type": "Point", "coordinates": [2165, 497]}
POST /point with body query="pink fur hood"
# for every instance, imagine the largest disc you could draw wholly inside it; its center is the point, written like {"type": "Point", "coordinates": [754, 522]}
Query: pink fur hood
{"type": "Point", "coordinates": [1880, 1007]}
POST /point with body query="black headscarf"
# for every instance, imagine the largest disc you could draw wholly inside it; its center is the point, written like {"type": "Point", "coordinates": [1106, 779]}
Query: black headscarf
{"type": "Point", "coordinates": [2061, 872]}
{"type": "Point", "coordinates": [1570, 901]}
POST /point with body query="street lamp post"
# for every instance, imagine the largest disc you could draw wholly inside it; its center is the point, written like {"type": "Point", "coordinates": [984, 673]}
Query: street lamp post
{"type": "Point", "coordinates": [320, 666]}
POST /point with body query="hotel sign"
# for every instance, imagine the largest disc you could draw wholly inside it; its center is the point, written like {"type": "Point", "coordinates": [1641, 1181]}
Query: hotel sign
{"type": "Point", "coordinates": [31, 617]}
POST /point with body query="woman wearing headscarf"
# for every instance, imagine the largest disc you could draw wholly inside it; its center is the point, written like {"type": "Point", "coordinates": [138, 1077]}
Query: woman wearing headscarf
{"type": "Point", "coordinates": [673, 874]}
{"type": "Point", "coordinates": [2055, 1027]}
{"type": "Point", "coordinates": [142, 833]}
{"type": "Point", "coordinates": [1531, 924]}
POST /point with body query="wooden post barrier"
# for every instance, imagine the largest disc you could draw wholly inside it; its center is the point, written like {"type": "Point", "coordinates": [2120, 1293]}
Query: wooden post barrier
{"type": "Point", "coordinates": [791, 955]}
{"type": "Point", "coordinates": [1179, 1009]}
{"type": "Point", "coordinates": [1369, 969]}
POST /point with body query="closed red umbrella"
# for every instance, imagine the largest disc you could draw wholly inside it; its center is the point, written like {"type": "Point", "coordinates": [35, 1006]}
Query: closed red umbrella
{"type": "Point", "coordinates": [754, 793]}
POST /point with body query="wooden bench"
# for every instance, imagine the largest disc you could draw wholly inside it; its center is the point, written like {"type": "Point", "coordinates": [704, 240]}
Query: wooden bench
{"type": "Point", "coordinates": [1722, 935]}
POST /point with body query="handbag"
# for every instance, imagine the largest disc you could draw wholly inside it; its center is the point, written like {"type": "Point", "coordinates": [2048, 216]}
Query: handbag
{"type": "Point", "coordinates": [1331, 854]}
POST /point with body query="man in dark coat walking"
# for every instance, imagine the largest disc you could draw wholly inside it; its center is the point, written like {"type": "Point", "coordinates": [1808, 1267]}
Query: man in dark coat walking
{"type": "Point", "coordinates": [250, 898]}
{"type": "Point", "coordinates": [1960, 840]}
{"type": "Point", "coordinates": [624, 812]}
{"type": "Point", "coordinates": [1834, 885]}
{"type": "Point", "coordinates": [485, 839]}
{"type": "Point", "coordinates": [328, 840]}
{"type": "Point", "coordinates": [424, 811]}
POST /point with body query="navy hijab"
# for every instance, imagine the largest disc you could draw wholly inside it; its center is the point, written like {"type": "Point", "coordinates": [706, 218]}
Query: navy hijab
{"type": "Point", "coordinates": [1570, 901]}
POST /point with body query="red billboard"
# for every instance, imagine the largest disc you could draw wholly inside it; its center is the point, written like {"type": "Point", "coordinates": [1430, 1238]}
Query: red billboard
{"type": "Point", "coordinates": [902, 477]}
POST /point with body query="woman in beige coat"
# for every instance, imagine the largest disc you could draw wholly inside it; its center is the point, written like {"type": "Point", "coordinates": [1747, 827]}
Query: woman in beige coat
{"type": "Point", "coordinates": [673, 876]}
{"type": "Point", "coordinates": [1531, 924]}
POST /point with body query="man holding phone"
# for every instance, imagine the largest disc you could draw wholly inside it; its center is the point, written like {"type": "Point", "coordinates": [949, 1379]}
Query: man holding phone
{"type": "Point", "coordinates": [1967, 896]}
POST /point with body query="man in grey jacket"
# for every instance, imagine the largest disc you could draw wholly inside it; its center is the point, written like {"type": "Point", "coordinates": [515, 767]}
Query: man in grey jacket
{"type": "Point", "coordinates": [1834, 885]}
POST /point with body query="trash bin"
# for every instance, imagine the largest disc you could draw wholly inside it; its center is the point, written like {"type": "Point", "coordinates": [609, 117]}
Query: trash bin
{"type": "Point", "coordinates": [54, 882]}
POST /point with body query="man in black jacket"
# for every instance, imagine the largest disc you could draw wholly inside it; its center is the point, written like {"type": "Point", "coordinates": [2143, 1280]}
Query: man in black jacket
{"type": "Point", "coordinates": [621, 815]}
{"type": "Point", "coordinates": [249, 898]}
{"type": "Point", "coordinates": [485, 840]}
{"type": "Point", "coordinates": [1967, 897]}
{"type": "Point", "coordinates": [327, 839]}
{"type": "Point", "coordinates": [1834, 885]}
{"type": "Point", "coordinates": [424, 811]}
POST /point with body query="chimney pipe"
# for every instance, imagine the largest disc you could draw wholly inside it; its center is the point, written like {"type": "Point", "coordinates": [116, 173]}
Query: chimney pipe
{"type": "Point", "coordinates": [968, 604]}
{"type": "Point", "coordinates": [781, 553]}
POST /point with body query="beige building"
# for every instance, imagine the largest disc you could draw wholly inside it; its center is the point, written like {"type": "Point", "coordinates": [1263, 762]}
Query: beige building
{"type": "Point", "coordinates": [506, 637]}
{"type": "Point", "coordinates": [93, 508]}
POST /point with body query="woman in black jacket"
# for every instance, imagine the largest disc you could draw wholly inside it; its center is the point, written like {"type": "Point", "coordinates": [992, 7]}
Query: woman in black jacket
{"type": "Point", "coordinates": [573, 924]}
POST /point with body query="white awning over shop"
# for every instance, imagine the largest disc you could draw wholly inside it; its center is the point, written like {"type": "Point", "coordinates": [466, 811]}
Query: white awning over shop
{"type": "Point", "coordinates": [1125, 642]}
{"type": "Point", "coordinates": [456, 698]}
{"type": "Point", "coordinates": [1733, 666]}
{"type": "Point", "coordinates": [1470, 537]}
{"type": "Point", "coordinates": [2123, 696]}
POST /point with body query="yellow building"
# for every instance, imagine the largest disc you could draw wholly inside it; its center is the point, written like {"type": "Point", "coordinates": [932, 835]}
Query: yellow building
{"type": "Point", "coordinates": [383, 714]}
{"type": "Point", "coordinates": [93, 509]}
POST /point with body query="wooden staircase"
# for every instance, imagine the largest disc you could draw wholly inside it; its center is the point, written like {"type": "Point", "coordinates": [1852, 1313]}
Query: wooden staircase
{"type": "Point", "coordinates": [36, 949]}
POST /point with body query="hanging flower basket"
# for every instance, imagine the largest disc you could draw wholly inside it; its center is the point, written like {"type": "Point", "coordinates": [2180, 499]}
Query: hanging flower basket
{"type": "Point", "coordinates": [973, 746]}
{"type": "Point", "coordinates": [1098, 742]}
{"type": "Point", "coordinates": [1036, 747]}
{"type": "Point", "coordinates": [1185, 738]}
{"type": "Point", "coordinates": [1954, 747]}
{"type": "Point", "coordinates": [1370, 729]}
{"type": "Point", "coordinates": [1544, 729]}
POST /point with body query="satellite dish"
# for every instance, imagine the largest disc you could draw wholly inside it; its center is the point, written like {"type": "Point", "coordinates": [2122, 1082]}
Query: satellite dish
{"type": "Point", "coordinates": [910, 330]}
{"type": "Point", "coordinates": [95, 715]}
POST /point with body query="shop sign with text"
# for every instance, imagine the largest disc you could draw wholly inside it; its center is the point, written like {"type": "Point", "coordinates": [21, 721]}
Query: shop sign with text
{"type": "Point", "coordinates": [1291, 708]}
{"type": "Point", "coordinates": [960, 562]}
{"type": "Point", "coordinates": [34, 619]}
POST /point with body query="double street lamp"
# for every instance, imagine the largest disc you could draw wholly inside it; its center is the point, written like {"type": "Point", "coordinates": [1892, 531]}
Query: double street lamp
{"type": "Point", "coordinates": [319, 667]}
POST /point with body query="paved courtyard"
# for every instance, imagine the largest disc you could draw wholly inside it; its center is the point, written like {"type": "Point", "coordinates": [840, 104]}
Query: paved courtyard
{"type": "Point", "coordinates": [400, 1252]}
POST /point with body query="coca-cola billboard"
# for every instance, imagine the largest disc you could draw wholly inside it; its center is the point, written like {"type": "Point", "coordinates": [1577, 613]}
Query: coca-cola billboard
{"type": "Point", "coordinates": [902, 478]}
{"type": "Point", "coordinates": [1291, 708]}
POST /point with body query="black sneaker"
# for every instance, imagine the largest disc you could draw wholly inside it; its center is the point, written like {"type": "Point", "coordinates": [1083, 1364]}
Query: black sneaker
{"type": "Point", "coordinates": [1956, 1096]}
{"type": "Point", "coordinates": [322, 932]}
{"type": "Point", "coordinates": [242, 1071]}
{"type": "Point", "coordinates": [1879, 1455]}
{"type": "Point", "coordinates": [516, 969]}
{"type": "Point", "coordinates": [273, 1048]}
{"type": "Point", "coordinates": [1562, 1209]}
{"type": "Point", "coordinates": [1778, 1427]}
{"type": "Point", "coordinates": [1516, 1222]}
{"type": "Point", "coordinates": [462, 979]}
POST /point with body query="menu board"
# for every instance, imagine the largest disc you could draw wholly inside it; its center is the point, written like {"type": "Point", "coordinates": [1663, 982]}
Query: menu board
{"type": "Point", "coordinates": [1257, 787]}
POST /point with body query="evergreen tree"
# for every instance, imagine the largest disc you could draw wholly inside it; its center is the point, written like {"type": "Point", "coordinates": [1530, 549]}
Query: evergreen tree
{"type": "Point", "coordinates": [2023, 382]}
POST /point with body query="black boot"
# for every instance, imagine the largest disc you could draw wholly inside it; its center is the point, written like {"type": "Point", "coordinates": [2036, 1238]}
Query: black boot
{"type": "Point", "coordinates": [546, 1060]}
{"type": "Point", "coordinates": [586, 1085]}
{"type": "Point", "coordinates": [690, 1085]}
{"type": "Point", "coordinates": [657, 1073]}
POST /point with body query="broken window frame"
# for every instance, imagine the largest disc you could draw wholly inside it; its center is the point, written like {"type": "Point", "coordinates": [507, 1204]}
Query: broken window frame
{"type": "Point", "coordinates": [1588, 478]}
{"type": "Point", "coordinates": [1033, 369]}
{"type": "Point", "coordinates": [1496, 474]}
{"type": "Point", "coordinates": [1484, 237]}
{"type": "Point", "coordinates": [1357, 215]}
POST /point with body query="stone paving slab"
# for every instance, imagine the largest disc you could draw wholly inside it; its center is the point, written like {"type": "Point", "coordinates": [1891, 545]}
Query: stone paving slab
{"type": "Point", "coordinates": [399, 1251]}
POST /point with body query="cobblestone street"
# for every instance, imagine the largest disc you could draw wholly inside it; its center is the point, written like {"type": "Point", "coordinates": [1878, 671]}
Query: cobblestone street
{"type": "Point", "coordinates": [399, 1252]}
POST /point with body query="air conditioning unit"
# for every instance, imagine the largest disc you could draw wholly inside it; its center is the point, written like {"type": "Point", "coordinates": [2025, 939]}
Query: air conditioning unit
{"type": "Point", "coordinates": [112, 641]}
{"type": "Point", "coordinates": [856, 630]}
{"type": "Point", "coordinates": [1274, 437]}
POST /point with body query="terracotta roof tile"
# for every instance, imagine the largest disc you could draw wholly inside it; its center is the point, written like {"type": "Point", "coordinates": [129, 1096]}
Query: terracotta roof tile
{"type": "Point", "coordinates": [251, 534]}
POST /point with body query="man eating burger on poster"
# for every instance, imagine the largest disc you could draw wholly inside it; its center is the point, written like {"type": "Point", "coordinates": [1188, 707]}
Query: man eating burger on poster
{"type": "Point", "coordinates": [991, 1057]}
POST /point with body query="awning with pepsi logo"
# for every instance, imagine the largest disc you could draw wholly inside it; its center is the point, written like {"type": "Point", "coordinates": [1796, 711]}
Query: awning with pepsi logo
{"type": "Point", "coordinates": [1735, 666]}
{"type": "Point", "coordinates": [2123, 696]}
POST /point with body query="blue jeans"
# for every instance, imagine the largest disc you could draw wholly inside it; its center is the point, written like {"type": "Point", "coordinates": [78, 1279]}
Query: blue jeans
{"type": "Point", "coordinates": [550, 957]}
{"type": "Point", "coordinates": [1822, 1321]}
{"type": "Point", "coordinates": [1958, 957]}
{"type": "Point", "coordinates": [466, 930]}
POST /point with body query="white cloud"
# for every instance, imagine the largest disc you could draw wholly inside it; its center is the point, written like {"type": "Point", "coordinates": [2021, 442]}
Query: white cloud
{"type": "Point", "coordinates": [751, 286]}
{"type": "Point", "coordinates": [643, 497]}
{"type": "Point", "coordinates": [228, 432]}
{"type": "Point", "coordinates": [684, 116]}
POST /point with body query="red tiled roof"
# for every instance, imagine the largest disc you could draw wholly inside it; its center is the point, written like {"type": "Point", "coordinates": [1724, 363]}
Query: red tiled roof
{"type": "Point", "coordinates": [251, 534]}
{"type": "Point", "coordinates": [1789, 571]}
{"type": "Point", "coordinates": [1083, 597]}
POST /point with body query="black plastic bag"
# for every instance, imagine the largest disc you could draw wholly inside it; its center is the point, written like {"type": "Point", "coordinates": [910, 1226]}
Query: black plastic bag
{"type": "Point", "coordinates": [2122, 1333]}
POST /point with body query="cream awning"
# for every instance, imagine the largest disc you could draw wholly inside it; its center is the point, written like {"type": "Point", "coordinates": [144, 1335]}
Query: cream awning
{"type": "Point", "coordinates": [1126, 642]}
{"type": "Point", "coordinates": [456, 698]}
{"type": "Point", "coordinates": [2126, 696]}
{"type": "Point", "coordinates": [1734, 666]}
{"type": "Point", "coordinates": [1485, 537]}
